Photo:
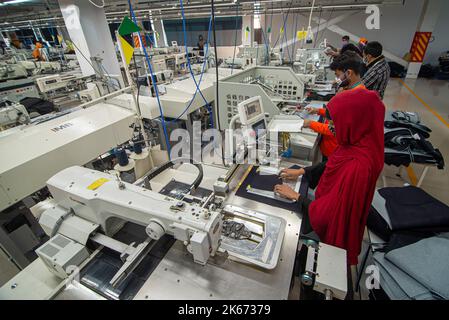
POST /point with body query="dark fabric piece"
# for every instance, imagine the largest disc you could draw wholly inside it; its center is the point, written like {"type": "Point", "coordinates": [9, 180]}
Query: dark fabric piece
{"type": "Point", "coordinates": [397, 71]}
{"type": "Point", "coordinates": [314, 173]}
{"type": "Point", "coordinates": [38, 105]}
{"type": "Point", "coordinates": [400, 119]}
{"type": "Point", "coordinates": [268, 183]}
{"type": "Point", "coordinates": [378, 225]}
{"type": "Point", "coordinates": [408, 148]}
{"type": "Point", "coordinates": [306, 226]}
{"type": "Point", "coordinates": [303, 204]}
{"type": "Point", "coordinates": [402, 239]}
{"type": "Point", "coordinates": [412, 208]}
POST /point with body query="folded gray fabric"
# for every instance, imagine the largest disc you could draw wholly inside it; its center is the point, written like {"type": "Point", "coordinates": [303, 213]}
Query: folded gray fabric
{"type": "Point", "coordinates": [397, 284]}
{"type": "Point", "coordinates": [379, 203]}
{"type": "Point", "coordinates": [426, 261]}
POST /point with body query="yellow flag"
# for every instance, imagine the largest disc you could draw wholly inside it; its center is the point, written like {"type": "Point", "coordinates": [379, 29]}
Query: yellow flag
{"type": "Point", "coordinates": [59, 38]}
{"type": "Point", "coordinates": [301, 35]}
{"type": "Point", "coordinates": [282, 30]}
{"type": "Point", "coordinates": [128, 50]}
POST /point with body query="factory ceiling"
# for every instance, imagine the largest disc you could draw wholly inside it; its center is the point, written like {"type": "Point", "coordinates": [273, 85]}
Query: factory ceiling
{"type": "Point", "coordinates": [18, 14]}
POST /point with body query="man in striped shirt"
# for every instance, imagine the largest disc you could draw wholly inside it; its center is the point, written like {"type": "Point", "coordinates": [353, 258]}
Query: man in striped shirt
{"type": "Point", "coordinates": [378, 74]}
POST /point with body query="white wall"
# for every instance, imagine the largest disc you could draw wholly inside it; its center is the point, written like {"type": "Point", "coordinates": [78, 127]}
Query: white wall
{"type": "Point", "coordinates": [441, 42]}
{"type": "Point", "coordinates": [398, 24]}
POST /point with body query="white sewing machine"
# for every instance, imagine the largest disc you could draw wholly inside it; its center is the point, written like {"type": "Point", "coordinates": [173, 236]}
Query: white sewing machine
{"type": "Point", "coordinates": [13, 114]}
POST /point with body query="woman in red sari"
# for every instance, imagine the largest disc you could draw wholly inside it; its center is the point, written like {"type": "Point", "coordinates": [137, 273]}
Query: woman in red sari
{"type": "Point", "coordinates": [346, 183]}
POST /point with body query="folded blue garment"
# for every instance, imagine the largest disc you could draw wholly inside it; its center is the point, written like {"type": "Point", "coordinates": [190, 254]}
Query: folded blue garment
{"type": "Point", "coordinates": [397, 284]}
{"type": "Point", "coordinates": [427, 262]}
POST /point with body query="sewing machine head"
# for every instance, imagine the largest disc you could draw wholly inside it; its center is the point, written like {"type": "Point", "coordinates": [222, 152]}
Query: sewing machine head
{"type": "Point", "coordinates": [91, 202]}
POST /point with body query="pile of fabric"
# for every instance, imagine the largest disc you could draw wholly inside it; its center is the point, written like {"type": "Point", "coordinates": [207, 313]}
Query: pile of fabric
{"type": "Point", "coordinates": [415, 262]}
{"type": "Point", "coordinates": [405, 141]}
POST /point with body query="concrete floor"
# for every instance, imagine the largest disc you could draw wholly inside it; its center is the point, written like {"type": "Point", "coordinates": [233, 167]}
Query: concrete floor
{"type": "Point", "coordinates": [430, 99]}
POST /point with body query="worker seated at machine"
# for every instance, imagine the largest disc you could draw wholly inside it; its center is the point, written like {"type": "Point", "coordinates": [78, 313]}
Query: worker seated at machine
{"type": "Point", "coordinates": [346, 183]}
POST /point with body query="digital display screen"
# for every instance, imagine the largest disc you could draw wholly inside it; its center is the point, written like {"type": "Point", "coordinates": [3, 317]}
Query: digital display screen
{"type": "Point", "coordinates": [253, 110]}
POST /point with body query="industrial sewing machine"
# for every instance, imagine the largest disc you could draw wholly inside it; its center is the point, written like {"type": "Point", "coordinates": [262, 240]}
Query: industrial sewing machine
{"type": "Point", "coordinates": [313, 61]}
{"type": "Point", "coordinates": [12, 114]}
{"type": "Point", "coordinates": [12, 71]}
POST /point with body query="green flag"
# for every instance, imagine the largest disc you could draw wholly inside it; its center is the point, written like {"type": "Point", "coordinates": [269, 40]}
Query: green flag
{"type": "Point", "coordinates": [127, 27]}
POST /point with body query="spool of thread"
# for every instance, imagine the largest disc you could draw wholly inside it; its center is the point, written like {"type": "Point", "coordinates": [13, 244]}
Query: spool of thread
{"type": "Point", "coordinates": [137, 146]}
{"type": "Point", "coordinates": [122, 157]}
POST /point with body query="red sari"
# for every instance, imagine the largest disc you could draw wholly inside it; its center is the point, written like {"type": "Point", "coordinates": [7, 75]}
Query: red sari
{"type": "Point", "coordinates": [346, 188]}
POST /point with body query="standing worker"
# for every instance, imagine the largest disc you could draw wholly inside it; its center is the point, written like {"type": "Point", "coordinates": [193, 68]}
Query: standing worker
{"type": "Point", "coordinates": [378, 74]}
{"type": "Point", "coordinates": [347, 69]}
{"type": "Point", "coordinates": [37, 54]}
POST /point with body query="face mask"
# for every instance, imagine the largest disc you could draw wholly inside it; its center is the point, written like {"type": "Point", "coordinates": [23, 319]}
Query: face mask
{"type": "Point", "coordinates": [344, 81]}
{"type": "Point", "coordinates": [365, 60]}
{"type": "Point", "coordinates": [345, 42]}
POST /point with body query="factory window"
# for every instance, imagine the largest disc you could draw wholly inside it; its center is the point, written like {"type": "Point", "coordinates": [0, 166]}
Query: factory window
{"type": "Point", "coordinates": [225, 28]}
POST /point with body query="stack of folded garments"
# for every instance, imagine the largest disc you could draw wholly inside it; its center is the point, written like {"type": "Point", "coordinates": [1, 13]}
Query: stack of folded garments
{"type": "Point", "coordinates": [405, 141]}
{"type": "Point", "coordinates": [416, 260]}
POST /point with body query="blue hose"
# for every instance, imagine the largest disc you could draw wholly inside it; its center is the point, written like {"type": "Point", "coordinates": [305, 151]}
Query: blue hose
{"type": "Point", "coordinates": [188, 59]}
{"type": "Point", "coordinates": [200, 80]}
{"type": "Point", "coordinates": [153, 80]}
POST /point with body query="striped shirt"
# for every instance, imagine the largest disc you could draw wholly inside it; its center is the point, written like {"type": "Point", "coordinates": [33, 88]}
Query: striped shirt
{"type": "Point", "coordinates": [377, 76]}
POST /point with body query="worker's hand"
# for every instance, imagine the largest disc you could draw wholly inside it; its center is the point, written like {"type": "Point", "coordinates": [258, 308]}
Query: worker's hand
{"type": "Point", "coordinates": [307, 123]}
{"type": "Point", "coordinates": [312, 110]}
{"type": "Point", "coordinates": [292, 174]}
{"type": "Point", "coordinates": [286, 192]}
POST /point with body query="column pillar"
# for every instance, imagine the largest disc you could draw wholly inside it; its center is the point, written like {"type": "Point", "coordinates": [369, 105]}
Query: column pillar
{"type": "Point", "coordinates": [426, 26]}
{"type": "Point", "coordinates": [89, 31]}
{"type": "Point", "coordinates": [247, 37]}
{"type": "Point", "coordinates": [159, 28]}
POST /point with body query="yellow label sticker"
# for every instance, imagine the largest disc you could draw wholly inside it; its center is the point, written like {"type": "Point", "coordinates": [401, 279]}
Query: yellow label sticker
{"type": "Point", "coordinates": [301, 35]}
{"type": "Point", "coordinates": [97, 184]}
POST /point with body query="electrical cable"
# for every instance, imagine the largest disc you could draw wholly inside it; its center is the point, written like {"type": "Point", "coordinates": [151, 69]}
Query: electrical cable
{"type": "Point", "coordinates": [96, 71]}
{"type": "Point", "coordinates": [294, 34]}
{"type": "Point", "coordinates": [201, 77]}
{"type": "Point", "coordinates": [96, 5]}
{"type": "Point", "coordinates": [188, 58]}
{"type": "Point", "coordinates": [318, 29]}
{"type": "Point", "coordinates": [216, 65]}
{"type": "Point", "coordinates": [153, 80]}
{"type": "Point", "coordinates": [327, 23]}
{"type": "Point", "coordinates": [284, 22]}
{"type": "Point", "coordinates": [235, 35]}
{"type": "Point", "coordinates": [285, 41]}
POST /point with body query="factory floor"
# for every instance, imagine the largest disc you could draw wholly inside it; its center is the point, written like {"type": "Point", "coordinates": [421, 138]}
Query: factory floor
{"type": "Point", "coordinates": [430, 99]}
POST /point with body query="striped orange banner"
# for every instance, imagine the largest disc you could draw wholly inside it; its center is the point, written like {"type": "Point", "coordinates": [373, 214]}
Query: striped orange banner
{"type": "Point", "coordinates": [419, 46]}
{"type": "Point", "coordinates": [137, 42]}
